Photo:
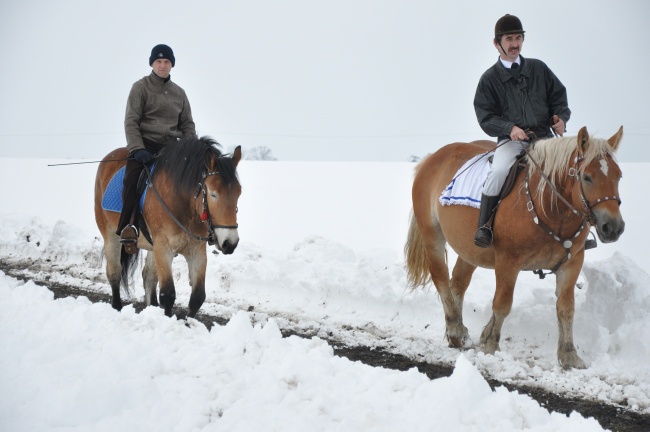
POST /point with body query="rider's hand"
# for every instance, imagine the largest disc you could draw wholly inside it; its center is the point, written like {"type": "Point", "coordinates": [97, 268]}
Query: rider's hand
{"type": "Point", "coordinates": [558, 125]}
{"type": "Point", "coordinates": [143, 156]}
{"type": "Point", "coordinates": [518, 134]}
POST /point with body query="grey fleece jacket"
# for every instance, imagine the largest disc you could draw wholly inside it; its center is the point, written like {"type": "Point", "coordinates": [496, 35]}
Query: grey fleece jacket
{"type": "Point", "coordinates": [158, 110]}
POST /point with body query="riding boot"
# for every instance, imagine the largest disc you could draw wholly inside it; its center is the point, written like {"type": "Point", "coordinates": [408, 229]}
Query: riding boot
{"type": "Point", "coordinates": [483, 237]}
{"type": "Point", "coordinates": [129, 196]}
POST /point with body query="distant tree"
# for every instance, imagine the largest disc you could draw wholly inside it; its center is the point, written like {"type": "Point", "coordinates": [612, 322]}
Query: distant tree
{"type": "Point", "coordinates": [258, 153]}
{"type": "Point", "coordinates": [414, 158]}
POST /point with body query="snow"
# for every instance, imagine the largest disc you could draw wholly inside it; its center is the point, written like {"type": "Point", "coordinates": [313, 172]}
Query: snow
{"type": "Point", "coordinates": [320, 252]}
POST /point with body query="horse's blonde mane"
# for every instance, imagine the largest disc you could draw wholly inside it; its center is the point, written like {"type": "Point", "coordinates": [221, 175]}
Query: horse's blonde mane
{"type": "Point", "coordinates": [556, 155]}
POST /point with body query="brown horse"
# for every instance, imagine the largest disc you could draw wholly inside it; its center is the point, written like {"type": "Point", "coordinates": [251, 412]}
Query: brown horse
{"type": "Point", "coordinates": [191, 200]}
{"type": "Point", "coordinates": [569, 184]}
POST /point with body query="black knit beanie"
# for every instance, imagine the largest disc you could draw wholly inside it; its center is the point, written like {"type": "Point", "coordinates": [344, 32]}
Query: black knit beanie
{"type": "Point", "coordinates": [162, 51]}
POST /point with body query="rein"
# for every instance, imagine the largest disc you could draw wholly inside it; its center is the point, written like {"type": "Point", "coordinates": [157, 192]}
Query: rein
{"type": "Point", "coordinates": [210, 239]}
{"type": "Point", "coordinates": [587, 219]}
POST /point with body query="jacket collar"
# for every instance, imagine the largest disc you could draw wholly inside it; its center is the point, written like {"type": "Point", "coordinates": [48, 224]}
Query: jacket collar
{"type": "Point", "coordinates": [160, 81]}
{"type": "Point", "coordinates": [503, 73]}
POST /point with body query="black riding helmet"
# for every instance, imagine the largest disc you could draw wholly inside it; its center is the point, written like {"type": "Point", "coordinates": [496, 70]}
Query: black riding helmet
{"type": "Point", "coordinates": [508, 24]}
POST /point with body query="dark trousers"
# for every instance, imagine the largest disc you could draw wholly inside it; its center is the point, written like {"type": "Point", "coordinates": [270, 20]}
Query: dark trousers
{"type": "Point", "coordinates": [130, 196]}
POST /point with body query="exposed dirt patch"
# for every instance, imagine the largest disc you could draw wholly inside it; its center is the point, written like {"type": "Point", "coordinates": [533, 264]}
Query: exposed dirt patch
{"type": "Point", "coordinates": [610, 417]}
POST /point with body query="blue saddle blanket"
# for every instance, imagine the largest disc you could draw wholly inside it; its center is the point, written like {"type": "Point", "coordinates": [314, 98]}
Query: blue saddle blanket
{"type": "Point", "coordinates": [112, 199]}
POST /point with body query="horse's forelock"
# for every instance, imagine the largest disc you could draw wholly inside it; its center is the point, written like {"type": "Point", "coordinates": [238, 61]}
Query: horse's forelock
{"type": "Point", "coordinates": [227, 169]}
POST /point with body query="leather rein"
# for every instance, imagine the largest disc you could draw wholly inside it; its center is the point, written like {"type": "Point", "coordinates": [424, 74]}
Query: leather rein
{"type": "Point", "coordinates": [210, 239]}
{"type": "Point", "coordinates": [588, 218]}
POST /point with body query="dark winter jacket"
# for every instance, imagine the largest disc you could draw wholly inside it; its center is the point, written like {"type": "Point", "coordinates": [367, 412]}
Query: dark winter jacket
{"type": "Point", "coordinates": [157, 109]}
{"type": "Point", "coordinates": [528, 99]}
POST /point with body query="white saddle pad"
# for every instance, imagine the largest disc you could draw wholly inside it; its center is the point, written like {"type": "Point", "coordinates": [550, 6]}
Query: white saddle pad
{"type": "Point", "coordinates": [467, 185]}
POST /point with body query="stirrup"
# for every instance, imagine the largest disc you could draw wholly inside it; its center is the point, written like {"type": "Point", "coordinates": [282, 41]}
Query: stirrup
{"type": "Point", "coordinates": [129, 239]}
{"type": "Point", "coordinates": [483, 237]}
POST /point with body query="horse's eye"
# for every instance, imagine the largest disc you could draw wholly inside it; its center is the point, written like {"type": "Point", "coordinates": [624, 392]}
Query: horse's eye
{"type": "Point", "coordinates": [213, 194]}
{"type": "Point", "coordinates": [587, 178]}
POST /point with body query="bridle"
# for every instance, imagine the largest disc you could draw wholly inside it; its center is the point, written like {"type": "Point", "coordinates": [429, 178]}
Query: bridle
{"type": "Point", "coordinates": [588, 217]}
{"type": "Point", "coordinates": [205, 216]}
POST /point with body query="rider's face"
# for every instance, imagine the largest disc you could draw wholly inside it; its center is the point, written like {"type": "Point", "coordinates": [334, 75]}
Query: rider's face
{"type": "Point", "coordinates": [162, 67]}
{"type": "Point", "coordinates": [510, 46]}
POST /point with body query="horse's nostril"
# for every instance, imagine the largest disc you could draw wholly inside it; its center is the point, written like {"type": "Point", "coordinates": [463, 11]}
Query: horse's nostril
{"type": "Point", "coordinates": [228, 247]}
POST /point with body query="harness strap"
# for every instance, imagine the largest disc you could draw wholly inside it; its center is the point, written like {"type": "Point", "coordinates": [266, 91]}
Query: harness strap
{"type": "Point", "coordinates": [566, 243]}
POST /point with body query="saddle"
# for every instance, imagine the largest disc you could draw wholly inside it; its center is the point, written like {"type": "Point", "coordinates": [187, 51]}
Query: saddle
{"type": "Point", "coordinates": [112, 198]}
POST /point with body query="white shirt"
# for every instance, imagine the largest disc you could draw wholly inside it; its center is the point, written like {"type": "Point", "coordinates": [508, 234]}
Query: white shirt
{"type": "Point", "coordinates": [508, 64]}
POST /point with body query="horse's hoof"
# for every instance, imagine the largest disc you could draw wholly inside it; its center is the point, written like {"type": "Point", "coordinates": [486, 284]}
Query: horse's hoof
{"type": "Point", "coordinates": [463, 342]}
{"type": "Point", "coordinates": [455, 342]}
{"type": "Point", "coordinates": [570, 360]}
{"type": "Point", "coordinates": [490, 347]}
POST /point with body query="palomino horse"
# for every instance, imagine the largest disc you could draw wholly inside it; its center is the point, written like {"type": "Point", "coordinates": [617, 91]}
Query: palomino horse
{"type": "Point", "coordinates": [192, 199]}
{"type": "Point", "coordinates": [569, 184]}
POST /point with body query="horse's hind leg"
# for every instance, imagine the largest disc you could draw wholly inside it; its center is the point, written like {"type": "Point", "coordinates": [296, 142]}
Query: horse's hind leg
{"type": "Point", "coordinates": [150, 280]}
{"type": "Point", "coordinates": [461, 277]}
{"type": "Point", "coordinates": [197, 262]}
{"type": "Point", "coordinates": [452, 298]}
{"type": "Point", "coordinates": [112, 250]}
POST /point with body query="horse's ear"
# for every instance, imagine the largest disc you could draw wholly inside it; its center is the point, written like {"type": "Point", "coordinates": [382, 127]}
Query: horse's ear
{"type": "Point", "coordinates": [616, 139]}
{"type": "Point", "coordinates": [236, 155]}
{"type": "Point", "coordinates": [583, 140]}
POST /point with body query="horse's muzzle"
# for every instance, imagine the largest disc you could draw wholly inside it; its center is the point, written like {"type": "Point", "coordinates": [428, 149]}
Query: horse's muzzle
{"type": "Point", "coordinates": [229, 247]}
{"type": "Point", "coordinates": [608, 227]}
{"type": "Point", "coordinates": [227, 240]}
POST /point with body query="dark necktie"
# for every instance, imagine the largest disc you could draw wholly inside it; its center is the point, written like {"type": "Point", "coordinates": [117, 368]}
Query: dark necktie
{"type": "Point", "coordinates": [514, 66]}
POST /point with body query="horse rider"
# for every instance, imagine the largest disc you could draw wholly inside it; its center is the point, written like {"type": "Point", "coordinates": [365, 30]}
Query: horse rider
{"type": "Point", "coordinates": [515, 96]}
{"type": "Point", "coordinates": [157, 110]}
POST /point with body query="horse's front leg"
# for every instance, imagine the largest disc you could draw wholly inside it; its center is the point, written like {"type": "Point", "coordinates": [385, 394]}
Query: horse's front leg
{"type": "Point", "coordinates": [566, 279]}
{"type": "Point", "coordinates": [506, 278]}
{"type": "Point", "coordinates": [197, 261]}
{"type": "Point", "coordinates": [150, 280]}
{"type": "Point", "coordinates": [164, 256]}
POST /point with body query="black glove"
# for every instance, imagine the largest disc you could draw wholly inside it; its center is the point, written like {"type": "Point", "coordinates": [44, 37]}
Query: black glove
{"type": "Point", "coordinates": [143, 156]}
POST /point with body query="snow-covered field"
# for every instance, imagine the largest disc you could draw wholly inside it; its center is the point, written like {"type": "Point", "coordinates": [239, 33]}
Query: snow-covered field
{"type": "Point", "coordinates": [320, 250]}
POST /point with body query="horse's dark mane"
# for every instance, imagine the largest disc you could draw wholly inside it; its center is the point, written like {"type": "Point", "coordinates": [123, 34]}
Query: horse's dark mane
{"type": "Point", "coordinates": [184, 162]}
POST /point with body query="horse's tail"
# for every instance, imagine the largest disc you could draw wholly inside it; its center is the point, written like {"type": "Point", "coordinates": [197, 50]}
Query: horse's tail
{"type": "Point", "coordinates": [417, 265]}
{"type": "Point", "coordinates": [128, 262]}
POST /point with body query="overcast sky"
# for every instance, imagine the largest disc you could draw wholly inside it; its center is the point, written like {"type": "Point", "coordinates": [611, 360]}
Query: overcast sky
{"type": "Point", "coordinates": [312, 80]}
